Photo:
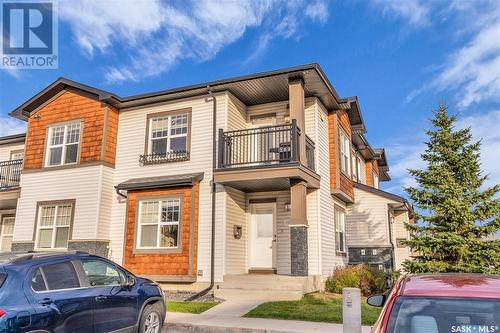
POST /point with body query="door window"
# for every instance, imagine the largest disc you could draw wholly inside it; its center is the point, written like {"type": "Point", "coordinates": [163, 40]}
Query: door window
{"type": "Point", "coordinates": [101, 273]}
{"type": "Point", "coordinates": [7, 231]}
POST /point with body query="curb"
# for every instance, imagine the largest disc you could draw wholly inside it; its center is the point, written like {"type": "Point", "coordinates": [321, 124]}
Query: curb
{"type": "Point", "coordinates": [190, 328]}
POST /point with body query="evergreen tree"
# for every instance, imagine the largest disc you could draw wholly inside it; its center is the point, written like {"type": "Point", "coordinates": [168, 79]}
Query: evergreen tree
{"type": "Point", "coordinates": [457, 217]}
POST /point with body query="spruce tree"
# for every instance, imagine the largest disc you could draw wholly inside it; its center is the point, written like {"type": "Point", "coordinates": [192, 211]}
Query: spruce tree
{"type": "Point", "coordinates": [456, 218]}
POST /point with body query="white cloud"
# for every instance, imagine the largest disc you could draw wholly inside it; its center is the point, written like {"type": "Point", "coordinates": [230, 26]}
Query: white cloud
{"type": "Point", "coordinates": [406, 154]}
{"type": "Point", "coordinates": [9, 126]}
{"type": "Point", "coordinates": [415, 11]}
{"type": "Point", "coordinates": [472, 71]}
{"type": "Point", "coordinates": [317, 11]}
{"type": "Point", "coordinates": [155, 35]}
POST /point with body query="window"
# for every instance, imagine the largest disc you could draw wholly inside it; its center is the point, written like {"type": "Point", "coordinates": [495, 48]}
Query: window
{"type": "Point", "coordinates": [6, 234]}
{"type": "Point", "coordinates": [168, 133]}
{"type": "Point", "coordinates": [355, 174]}
{"type": "Point", "coordinates": [375, 180]}
{"type": "Point", "coordinates": [54, 222]}
{"type": "Point", "coordinates": [374, 252]}
{"type": "Point", "coordinates": [16, 155]}
{"type": "Point", "coordinates": [345, 153]}
{"type": "Point", "coordinates": [159, 223]}
{"type": "Point", "coordinates": [55, 277]}
{"type": "Point", "coordinates": [363, 252]}
{"type": "Point", "coordinates": [63, 143]}
{"type": "Point", "coordinates": [340, 245]}
{"type": "Point", "coordinates": [101, 273]}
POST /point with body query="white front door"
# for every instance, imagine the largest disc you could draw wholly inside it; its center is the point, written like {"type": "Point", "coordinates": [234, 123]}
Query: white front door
{"type": "Point", "coordinates": [262, 240]}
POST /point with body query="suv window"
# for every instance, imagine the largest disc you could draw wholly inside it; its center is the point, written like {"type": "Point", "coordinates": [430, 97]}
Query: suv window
{"type": "Point", "coordinates": [57, 276]}
{"type": "Point", "coordinates": [37, 281]}
{"type": "Point", "coordinates": [101, 273]}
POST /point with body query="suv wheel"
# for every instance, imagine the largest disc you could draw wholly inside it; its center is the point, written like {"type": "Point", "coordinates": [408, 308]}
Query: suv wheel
{"type": "Point", "coordinates": [151, 319]}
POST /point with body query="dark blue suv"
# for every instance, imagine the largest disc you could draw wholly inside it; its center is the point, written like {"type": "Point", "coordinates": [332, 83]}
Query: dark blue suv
{"type": "Point", "coordinates": [75, 292]}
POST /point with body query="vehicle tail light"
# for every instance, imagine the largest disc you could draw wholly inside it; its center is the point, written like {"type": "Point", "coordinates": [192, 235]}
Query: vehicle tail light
{"type": "Point", "coordinates": [2, 312]}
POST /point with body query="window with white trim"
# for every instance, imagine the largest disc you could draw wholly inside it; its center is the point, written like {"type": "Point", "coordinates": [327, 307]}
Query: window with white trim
{"type": "Point", "coordinates": [345, 153]}
{"type": "Point", "coordinates": [168, 133]}
{"type": "Point", "coordinates": [159, 223]}
{"type": "Point", "coordinates": [376, 183]}
{"type": "Point", "coordinates": [340, 239]}
{"type": "Point", "coordinates": [16, 155]}
{"type": "Point", "coordinates": [6, 233]}
{"type": "Point", "coordinates": [63, 144]}
{"type": "Point", "coordinates": [53, 227]}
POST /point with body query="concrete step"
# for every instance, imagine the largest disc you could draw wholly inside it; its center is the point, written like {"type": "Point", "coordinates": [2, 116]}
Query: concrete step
{"type": "Point", "coordinates": [268, 282]}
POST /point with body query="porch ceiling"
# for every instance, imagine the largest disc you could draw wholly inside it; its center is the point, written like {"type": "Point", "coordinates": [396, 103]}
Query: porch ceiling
{"type": "Point", "coordinates": [260, 185]}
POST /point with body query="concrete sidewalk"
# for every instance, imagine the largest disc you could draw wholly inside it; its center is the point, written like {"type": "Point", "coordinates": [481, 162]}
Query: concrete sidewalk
{"type": "Point", "coordinates": [190, 323]}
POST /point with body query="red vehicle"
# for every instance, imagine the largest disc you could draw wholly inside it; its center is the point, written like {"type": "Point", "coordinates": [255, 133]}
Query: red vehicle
{"type": "Point", "coordinates": [440, 303]}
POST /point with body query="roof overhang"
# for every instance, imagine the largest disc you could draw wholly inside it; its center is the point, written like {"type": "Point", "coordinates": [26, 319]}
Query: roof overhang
{"type": "Point", "coordinates": [16, 138]}
{"type": "Point", "coordinates": [160, 182]}
{"type": "Point", "coordinates": [259, 88]}
{"type": "Point", "coordinates": [383, 166]}
{"type": "Point", "coordinates": [400, 202]}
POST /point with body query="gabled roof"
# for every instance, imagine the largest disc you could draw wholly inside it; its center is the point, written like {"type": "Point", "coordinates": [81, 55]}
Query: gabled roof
{"type": "Point", "coordinates": [22, 112]}
{"type": "Point", "coordinates": [380, 192]}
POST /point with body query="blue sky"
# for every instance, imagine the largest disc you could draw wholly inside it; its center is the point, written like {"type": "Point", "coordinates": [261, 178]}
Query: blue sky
{"type": "Point", "coordinates": [400, 57]}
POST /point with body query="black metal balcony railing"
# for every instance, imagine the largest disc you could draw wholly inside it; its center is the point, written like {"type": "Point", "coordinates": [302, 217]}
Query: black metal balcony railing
{"type": "Point", "coordinates": [261, 146]}
{"type": "Point", "coordinates": [10, 173]}
{"type": "Point", "coordinates": [172, 156]}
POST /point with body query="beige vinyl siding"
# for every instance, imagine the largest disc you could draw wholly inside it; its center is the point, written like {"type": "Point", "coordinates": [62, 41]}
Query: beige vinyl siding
{"type": "Point", "coordinates": [107, 195]}
{"type": "Point", "coordinates": [6, 149]}
{"type": "Point", "coordinates": [236, 114]}
{"type": "Point", "coordinates": [279, 108]}
{"type": "Point", "coordinates": [283, 265]}
{"type": "Point", "coordinates": [236, 249]}
{"type": "Point", "coordinates": [401, 253]}
{"type": "Point", "coordinates": [325, 205]}
{"type": "Point", "coordinates": [367, 220]}
{"type": "Point", "coordinates": [84, 186]}
{"type": "Point", "coordinates": [130, 144]}
{"type": "Point", "coordinates": [311, 110]}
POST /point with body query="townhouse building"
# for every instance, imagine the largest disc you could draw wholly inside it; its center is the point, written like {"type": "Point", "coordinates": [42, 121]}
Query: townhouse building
{"type": "Point", "coordinates": [263, 173]}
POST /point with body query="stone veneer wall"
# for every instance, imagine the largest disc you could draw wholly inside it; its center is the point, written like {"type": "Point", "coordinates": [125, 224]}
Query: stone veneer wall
{"type": "Point", "coordinates": [298, 250]}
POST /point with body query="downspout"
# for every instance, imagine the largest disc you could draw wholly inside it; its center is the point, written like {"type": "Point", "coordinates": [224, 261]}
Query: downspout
{"type": "Point", "coordinates": [213, 186]}
{"type": "Point", "coordinates": [393, 247]}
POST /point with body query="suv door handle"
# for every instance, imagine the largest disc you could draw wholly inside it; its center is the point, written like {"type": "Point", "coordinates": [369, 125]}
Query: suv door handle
{"type": "Point", "coordinates": [46, 301]}
{"type": "Point", "coordinates": [101, 298]}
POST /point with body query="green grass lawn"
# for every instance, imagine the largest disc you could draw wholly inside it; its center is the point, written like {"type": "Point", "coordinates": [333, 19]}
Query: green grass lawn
{"type": "Point", "coordinates": [313, 307]}
{"type": "Point", "coordinates": [189, 307]}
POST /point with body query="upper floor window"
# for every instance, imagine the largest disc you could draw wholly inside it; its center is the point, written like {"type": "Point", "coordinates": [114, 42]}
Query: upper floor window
{"type": "Point", "coordinates": [356, 168]}
{"type": "Point", "coordinates": [159, 223]}
{"type": "Point", "coordinates": [340, 237]}
{"type": "Point", "coordinates": [168, 138]}
{"type": "Point", "coordinates": [63, 144]}
{"type": "Point", "coordinates": [169, 134]}
{"type": "Point", "coordinates": [375, 180]}
{"type": "Point", "coordinates": [345, 153]}
{"type": "Point", "coordinates": [53, 227]}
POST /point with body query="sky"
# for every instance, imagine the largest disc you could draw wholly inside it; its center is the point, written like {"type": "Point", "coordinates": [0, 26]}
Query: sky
{"type": "Point", "coordinates": [400, 57]}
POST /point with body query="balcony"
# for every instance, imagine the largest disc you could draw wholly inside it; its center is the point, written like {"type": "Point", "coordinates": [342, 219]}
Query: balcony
{"type": "Point", "coordinates": [10, 174]}
{"type": "Point", "coordinates": [263, 146]}
{"type": "Point", "coordinates": [269, 154]}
